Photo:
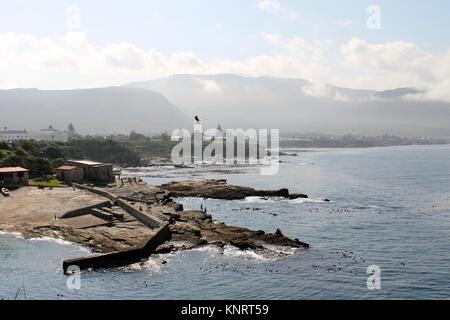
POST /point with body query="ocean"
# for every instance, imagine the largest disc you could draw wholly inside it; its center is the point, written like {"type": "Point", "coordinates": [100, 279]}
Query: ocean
{"type": "Point", "coordinates": [389, 207]}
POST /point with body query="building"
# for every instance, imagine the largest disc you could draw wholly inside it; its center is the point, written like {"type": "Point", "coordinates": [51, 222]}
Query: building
{"type": "Point", "coordinates": [14, 135]}
{"type": "Point", "coordinates": [13, 176]}
{"type": "Point", "coordinates": [50, 135]}
{"type": "Point", "coordinates": [94, 171]}
{"type": "Point", "coordinates": [70, 174]}
{"type": "Point", "coordinates": [176, 138]}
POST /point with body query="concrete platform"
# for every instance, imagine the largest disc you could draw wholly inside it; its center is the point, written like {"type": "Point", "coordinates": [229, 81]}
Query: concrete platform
{"type": "Point", "coordinates": [84, 222]}
{"type": "Point", "coordinates": [40, 206]}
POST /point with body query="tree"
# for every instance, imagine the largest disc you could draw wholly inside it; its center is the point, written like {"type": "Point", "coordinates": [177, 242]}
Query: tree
{"type": "Point", "coordinates": [165, 136]}
{"type": "Point", "coordinates": [71, 131]}
{"type": "Point", "coordinates": [52, 152]}
{"type": "Point", "coordinates": [134, 136]}
{"type": "Point", "coordinates": [39, 167]}
{"type": "Point", "coordinates": [20, 152]}
{"type": "Point", "coordinates": [12, 160]}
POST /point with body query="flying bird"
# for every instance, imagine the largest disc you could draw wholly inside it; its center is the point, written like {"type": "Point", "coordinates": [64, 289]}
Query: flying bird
{"type": "Point", "coordinates": [197, 119]}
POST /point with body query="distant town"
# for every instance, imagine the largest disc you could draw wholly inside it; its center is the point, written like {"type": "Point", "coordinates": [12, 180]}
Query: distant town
{"type": "Point", "coordinates": [49, 134]}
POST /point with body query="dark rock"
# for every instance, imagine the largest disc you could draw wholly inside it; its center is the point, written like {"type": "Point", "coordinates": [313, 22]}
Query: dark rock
{"type": "Point", "coordinates": [244, 244]}
{"type": "Point", "coordinates": [297, 196]}
{"type": "Point", "coordinates": [219, 189]}
{"type": "Point", "coordinates": [165, 248]}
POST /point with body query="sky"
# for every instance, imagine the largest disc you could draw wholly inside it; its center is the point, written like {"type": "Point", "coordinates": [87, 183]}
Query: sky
{"type": "Point", "coordinates": [60, 44]}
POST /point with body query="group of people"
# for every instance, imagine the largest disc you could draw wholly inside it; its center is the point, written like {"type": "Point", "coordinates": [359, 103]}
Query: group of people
{"type": "Point", "coordinates": [130, 180]}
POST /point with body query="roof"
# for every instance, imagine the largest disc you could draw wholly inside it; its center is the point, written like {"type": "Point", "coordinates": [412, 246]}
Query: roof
{"type": "Point", "coordinates": [12, 170]}
{"type": "Point", "coordinates": [50, 130]}
{"type": "Point", "coordinates": [66, 168]}
{"type": "Point", "coordinates": [13, 132]}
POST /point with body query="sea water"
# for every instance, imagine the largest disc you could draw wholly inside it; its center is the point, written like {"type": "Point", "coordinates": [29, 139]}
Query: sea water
{"type": "Point", "coordinates": [389, 207]}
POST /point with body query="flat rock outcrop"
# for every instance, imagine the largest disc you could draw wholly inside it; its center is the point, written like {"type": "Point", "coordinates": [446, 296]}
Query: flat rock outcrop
{"type": "Point", "coordinates": [188, 229]}
{"type": "Point", "coordinates": [220, 189]}
{"type": "Point", "coordinates": [198, 228]}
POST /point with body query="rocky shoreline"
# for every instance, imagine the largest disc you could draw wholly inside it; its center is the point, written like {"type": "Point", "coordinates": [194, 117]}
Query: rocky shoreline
{"type": "Point", "coordinates": [220, 189]}
{"type": "Point", "coordinates": [108, 234]}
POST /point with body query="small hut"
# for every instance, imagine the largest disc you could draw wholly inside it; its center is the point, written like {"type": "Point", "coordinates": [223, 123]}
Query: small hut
{"type": "Point", "coordinates": [70, 174]}
{"type": "Point", "coordinates": [13, 176]}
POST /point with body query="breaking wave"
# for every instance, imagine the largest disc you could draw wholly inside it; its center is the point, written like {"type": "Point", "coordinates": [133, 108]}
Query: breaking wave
{"type": "Point", "coordinates": [269, 253]}
{"type": "Point", "coordinates": [280, 199]}
{"type": "Point", "coordinates": [13, 234]}
{"type": "Point", "coordinates": [60, 242]}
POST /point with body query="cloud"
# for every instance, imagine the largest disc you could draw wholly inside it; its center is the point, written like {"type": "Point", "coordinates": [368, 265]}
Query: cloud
{"type": "Point", "coordinates": [324, 90]}
{"type": "Point", "coordinates": [210, 86]}
{"type": "Point", "coordinates": [395, 64]}
{"type": "Point", "coordinates": [275, 7]}
{"type": "Point", "coordinates": [73, 61]}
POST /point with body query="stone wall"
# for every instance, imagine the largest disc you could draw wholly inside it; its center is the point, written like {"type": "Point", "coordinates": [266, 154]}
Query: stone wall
{"type": "Point", "coordinates": [99, 192]}
{"type": "Point", "coordinates": [85, 210]}
{"type": "Point", "coordinates": [121, 258]}
{"type": "Point", "coordinates": [139, 215]}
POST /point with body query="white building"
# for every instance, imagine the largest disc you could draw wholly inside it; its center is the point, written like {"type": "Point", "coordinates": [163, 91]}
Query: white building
{"type": "Point", "coordinates": [14, 135]}
{"type": "Point", "coordinates": [50, 135]}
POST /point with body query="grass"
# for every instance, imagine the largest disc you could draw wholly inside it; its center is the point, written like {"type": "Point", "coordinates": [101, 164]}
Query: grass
{"type": "Point", "coordinates": [5, 152]}
{"type": "Point", "coordinates": [47, 184]}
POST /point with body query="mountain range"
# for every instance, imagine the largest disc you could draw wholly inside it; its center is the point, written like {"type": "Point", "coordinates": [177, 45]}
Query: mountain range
{"type": "Point", "coordinates": [295, 105]}
{"type": "Point", "coordinates": [92, 111]}
{"type": "Point", "coordinates": [292, 105]}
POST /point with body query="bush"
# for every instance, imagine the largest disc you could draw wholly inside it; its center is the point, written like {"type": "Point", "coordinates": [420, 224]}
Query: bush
{"type": "Point", "coordinates": [39, 167]}
{"type": "Point", "coordinates": [53, 152]}
{"type": "Point", "coordinates": [12, 160]}
{"type": "Point", "coordinates": [4, 145]}
{"type": "Point", "coordinates": [106, 150]}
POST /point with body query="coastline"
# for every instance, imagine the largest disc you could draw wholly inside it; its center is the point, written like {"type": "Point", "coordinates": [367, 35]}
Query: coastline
{"type": "Point", "coordinates": [74, 216]}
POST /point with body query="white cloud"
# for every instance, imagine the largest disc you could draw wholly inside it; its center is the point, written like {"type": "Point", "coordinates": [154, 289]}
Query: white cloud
{"type": "Point", "coordinates": [210, 86]}
{"type": "Point", "coordinates": [73, 61]}
{"type": "Point", "coordinates": [394, 64]}
{"type": "Point", "coordinates": [30, 61]}
{"type": "Point", "coordinates": [275, 7]}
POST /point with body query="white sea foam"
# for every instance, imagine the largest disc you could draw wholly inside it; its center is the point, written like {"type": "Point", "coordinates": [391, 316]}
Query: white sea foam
{"type": "Point", "coordinates": [262, 200]}
{"type": "Point", "coordinates": [150, 264]}
{"type": "Point", "coordinates": [288, 251]}
{"type": "Point", "coordinates": [281, 200]}
{"type": "Point", "coordinates": [231, 251]}
{"type": "Point", "coordinates": [270, 252]}
{"type": "Point", "coordinates": [301, 200]}
{"type": "Point", "coordinates": [211, 249]}
{"type": "Point", "coordinates": [153, 264]}
{"type": "Point", "coordinates": [59, 242]}
{"type": "Point", "coordinates": [13, 234]}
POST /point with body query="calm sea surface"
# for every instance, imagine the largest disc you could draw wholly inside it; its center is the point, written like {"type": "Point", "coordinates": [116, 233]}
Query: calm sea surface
{"type": "Point", "coordinates": [389, 207]}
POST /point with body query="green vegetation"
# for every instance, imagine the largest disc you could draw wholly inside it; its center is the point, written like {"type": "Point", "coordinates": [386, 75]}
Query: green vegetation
{"type": "Point", "coordinates": [24, 154]}
{"type": "Point", "coordinates": [103, 150]}
{"type": "Point", "coordinates": [354, 141]}
{"type": "Point", "coordinates": [41, 158]}
{"type": "Point", "coordinates": [47, 184]}
{"type": "Point", "coordinates": [146, 147]}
